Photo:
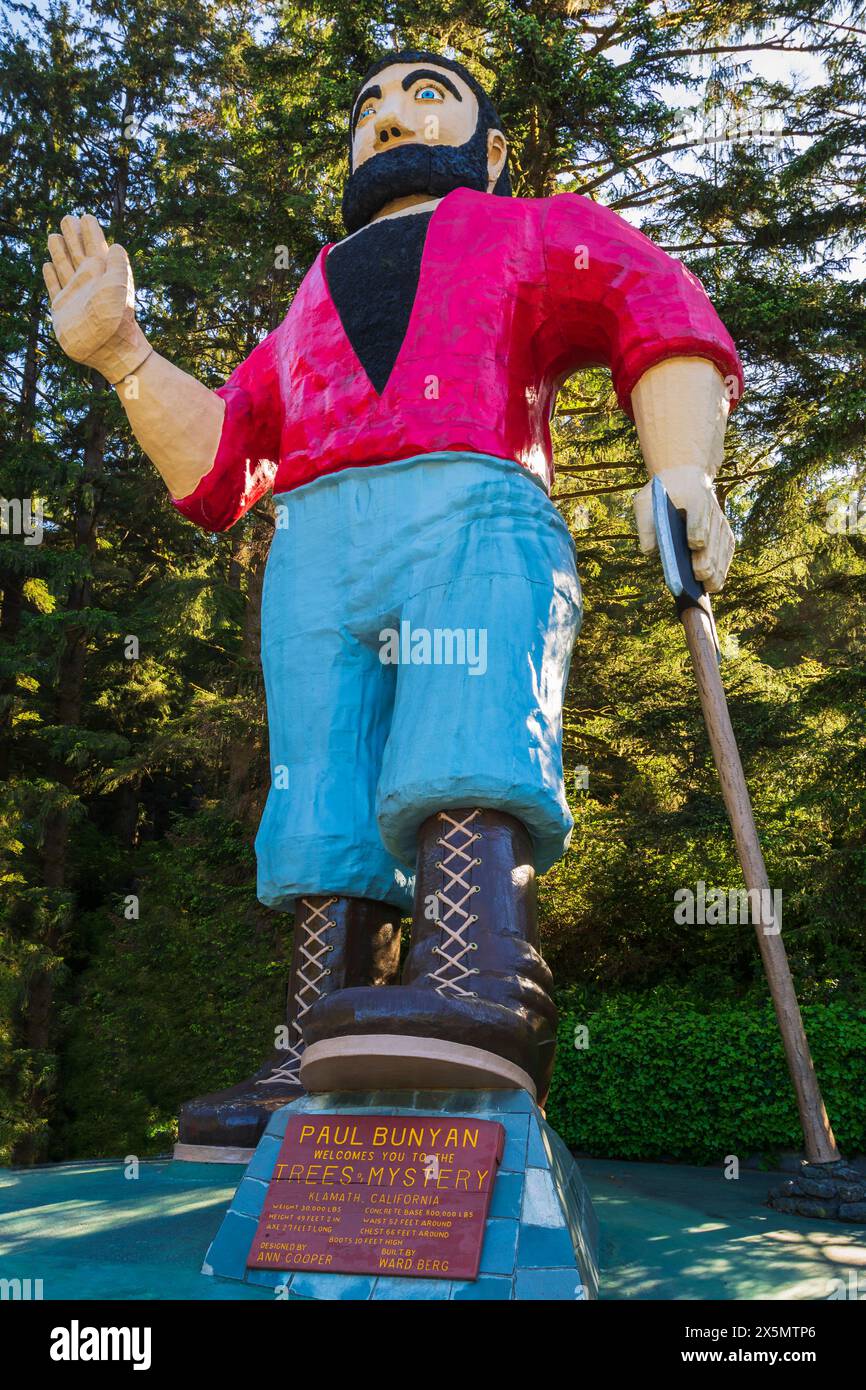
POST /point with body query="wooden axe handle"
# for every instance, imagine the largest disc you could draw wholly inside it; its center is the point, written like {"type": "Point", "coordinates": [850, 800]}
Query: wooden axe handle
{"type": "Point", "coordinates": [820, 1143]}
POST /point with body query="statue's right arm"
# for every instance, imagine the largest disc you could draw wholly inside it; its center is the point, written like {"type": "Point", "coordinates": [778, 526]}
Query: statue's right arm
{"type": "Point", "coordinates": [176, 420]}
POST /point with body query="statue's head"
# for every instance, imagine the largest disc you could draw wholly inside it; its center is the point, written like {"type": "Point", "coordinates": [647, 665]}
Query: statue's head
{"type": "Point", "coordinates": [420, 124]}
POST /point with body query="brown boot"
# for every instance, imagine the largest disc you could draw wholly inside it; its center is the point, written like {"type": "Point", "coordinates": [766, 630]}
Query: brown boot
{"type": "Point", "coordinates": [474, 1008]}
{"type": "Point", "coordinates": [337, 942]}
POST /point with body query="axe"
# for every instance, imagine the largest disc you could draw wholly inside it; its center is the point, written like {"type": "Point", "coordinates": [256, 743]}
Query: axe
{"type": "Point", "coordinates": [693, 607]}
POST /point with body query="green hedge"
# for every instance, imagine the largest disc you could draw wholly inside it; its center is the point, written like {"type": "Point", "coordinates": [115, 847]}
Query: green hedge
{"type": "Point", "coordinates": [662, 1078]}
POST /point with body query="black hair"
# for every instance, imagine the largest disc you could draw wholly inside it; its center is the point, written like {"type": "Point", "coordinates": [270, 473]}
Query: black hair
{"type": "Point", "coordinates": [488, 118]}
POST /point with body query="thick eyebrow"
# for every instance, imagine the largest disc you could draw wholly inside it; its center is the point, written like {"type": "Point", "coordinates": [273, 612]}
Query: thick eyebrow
{"type": "Point", "coordinates": [374, 91]}
{"type": "Point", "coordinates": [431, 76]}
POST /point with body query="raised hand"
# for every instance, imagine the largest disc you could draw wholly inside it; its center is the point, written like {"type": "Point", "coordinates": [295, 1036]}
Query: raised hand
{"type": "Point", "coordinates": [92, 298]}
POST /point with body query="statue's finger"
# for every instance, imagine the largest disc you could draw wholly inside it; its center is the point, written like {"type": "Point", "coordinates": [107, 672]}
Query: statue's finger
{"type": "Point", "coordinates": [717, 579]}
{"type": "Point", "coordinates": [699, 522]}
{"type": "Point", "coordinates": [60, 258]}
{"type": "Point", "coordinates": [643, 514]}
{"type": "Point", "coordinates": [730, 546]}
{"type": "Point", "coordinates": [92, 236]}
{"type": "Point", "coordinates": [52, 284]}
{"type": "Point", "coordinates": [118, 272]}
{"type": "Point", "coordinates": [117, 268]}
{"type": "Point", "coordinates": [705, 561]}
{"type": "Point", "coordinates": [721, 561]}
{"type": "Point", "coordinates": [72, 236]}
{"type": "Point", "coordinates": [703, 564]}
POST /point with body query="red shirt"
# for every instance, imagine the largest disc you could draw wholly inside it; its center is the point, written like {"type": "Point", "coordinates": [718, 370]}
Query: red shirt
{"type": "Point", "coordinates": [514, 295]}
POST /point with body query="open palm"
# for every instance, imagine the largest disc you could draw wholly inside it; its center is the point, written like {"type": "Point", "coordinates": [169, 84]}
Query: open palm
{"type": "Point", "coordinates": [92, 294]}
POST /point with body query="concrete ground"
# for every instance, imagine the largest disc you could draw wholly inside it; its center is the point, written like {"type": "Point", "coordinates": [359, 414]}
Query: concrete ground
{"type": "Point", "coordinates": [674, 1232]}
{"type": "Point", "coordinates": [668, 1232]}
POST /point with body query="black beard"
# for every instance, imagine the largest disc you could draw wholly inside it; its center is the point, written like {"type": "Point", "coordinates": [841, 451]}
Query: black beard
{"type": "Point", "coordinates": [398, 173]}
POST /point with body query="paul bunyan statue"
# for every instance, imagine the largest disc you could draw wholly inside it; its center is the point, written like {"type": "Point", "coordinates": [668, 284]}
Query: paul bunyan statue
{"type": "Point", "coordinates": [421, 598]}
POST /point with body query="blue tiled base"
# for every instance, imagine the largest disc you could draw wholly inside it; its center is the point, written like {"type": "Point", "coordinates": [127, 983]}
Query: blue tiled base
{"type": "Point", "coordinates": [541, 1236]}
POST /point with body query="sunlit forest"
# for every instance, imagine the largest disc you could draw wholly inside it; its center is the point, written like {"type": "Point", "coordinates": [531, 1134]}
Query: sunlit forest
{"type": "Point", "coordinates": [136, 967]}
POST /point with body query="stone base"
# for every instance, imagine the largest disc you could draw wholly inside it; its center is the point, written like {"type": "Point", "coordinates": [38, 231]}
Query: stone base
{"type": "Point", "coordinates": [540, 1239]}
{"type": "Point", "coordinates": [829, 1191]}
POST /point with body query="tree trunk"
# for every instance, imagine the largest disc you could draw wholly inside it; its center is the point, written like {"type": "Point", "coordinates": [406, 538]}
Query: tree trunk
{"type": "Point", "coordinates": [12, 577]}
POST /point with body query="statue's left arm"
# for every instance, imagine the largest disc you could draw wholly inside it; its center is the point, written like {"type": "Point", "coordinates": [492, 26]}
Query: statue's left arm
{"type": "Point", "coordinates": [618, 299]}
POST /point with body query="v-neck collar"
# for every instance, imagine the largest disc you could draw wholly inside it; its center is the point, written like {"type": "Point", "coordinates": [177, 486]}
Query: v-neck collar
{"type": "Point", "coordinates": [388, 362]}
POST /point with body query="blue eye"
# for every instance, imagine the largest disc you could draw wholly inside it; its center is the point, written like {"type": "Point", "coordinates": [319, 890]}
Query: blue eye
{"type": "Point", "coordinates": [428, 94]}
{"type": "Point", "coordinates": [367, 111]}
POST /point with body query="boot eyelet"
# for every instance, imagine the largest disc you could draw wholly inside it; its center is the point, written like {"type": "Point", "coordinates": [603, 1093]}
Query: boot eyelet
{"type": "Point", "coordinates": [327, 971]}
{"type": "Point", "coordinates": [439, 865]}
{"type": "Point", "coordinates": [476, 888]}
{"type": "Point", "coordinates": [476, 971]}
{"type": "Point", "coordinates": [473, 945]}
{"type": "Point", "coordinates": [473, 994]}
{"type": "Point", "coordinates": [331, 922]}
{"type": "Point", "coordinates": [476, 860]}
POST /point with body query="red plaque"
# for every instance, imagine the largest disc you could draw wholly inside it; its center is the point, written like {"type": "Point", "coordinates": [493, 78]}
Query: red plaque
{"type": "Point", "coordinates": [380, 1194]}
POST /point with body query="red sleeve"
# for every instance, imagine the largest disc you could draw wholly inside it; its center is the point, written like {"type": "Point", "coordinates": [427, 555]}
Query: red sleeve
{"type": "Point", "coordinates": [249, 448]}
{"type": "Point", "coordinates": [621, 302]}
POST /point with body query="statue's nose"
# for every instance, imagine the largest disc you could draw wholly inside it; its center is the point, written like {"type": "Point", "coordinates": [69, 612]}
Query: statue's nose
{"type": "Point", "coordinates": [390, 130]}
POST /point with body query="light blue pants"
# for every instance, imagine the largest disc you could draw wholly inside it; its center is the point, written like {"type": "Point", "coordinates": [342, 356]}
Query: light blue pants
{"type": "Point", "coordinates": [417, 625]}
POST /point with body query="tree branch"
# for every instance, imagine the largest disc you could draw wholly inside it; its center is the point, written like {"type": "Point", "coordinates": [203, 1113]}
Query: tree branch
{"type": "Point", "coordinates": [595, 492]}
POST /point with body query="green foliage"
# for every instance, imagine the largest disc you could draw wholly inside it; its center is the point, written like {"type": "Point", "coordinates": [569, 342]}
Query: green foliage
{"type": "Point", "coordinates": [181, 1001]}
{"type": "Point", "coordinates": [660, 1076]}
